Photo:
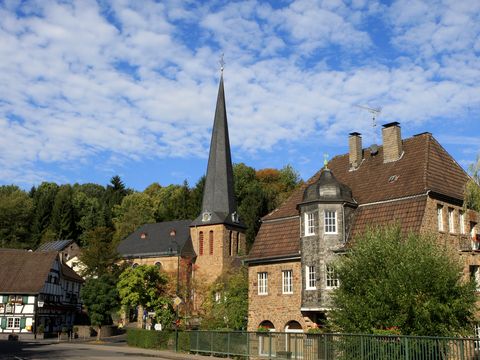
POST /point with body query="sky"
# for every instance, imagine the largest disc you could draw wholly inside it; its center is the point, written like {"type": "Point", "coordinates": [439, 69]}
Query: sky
{"type": "Point", "coordinates": [92, 89]}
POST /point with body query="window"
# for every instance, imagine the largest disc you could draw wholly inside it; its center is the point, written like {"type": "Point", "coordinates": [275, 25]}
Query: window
{"type": "Point", "coordinates": [230, 242]}
{"type": "Point", "coordinates": [461, 220]}
{"type": "Point", "coordinates": [451, 224]}
{"type": "Point", "coordinates": [473, 235]}
{"type": "Point", "coordinates": [262, 283]}
{"type": "Point", "coordinates": [311, 279]}
{"type": "Point", "coordinates": [475, 275]}
{"type": "Point", "coordinates": [200, 242]}
{"type": "Point", "coordinates": [309, 223]}
{"type": "Point", "coordinates": [266, 343]}
{"type": "Point", "coordinates": [330, 222]}
{"type": "Point", "coordinates": [13, 323]}
{"type": "Point", "coordinates": [331, 277]}
{"type": "Point", "coordinates": [287, 285]}
{"type": "Point", "coordinates": [440, 217]}
{"type": "Point", "coordinates": [210, 241]}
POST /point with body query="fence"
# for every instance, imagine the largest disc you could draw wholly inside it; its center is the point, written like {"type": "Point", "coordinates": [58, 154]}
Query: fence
{"type": "Point", "coordinates": [276, 345]}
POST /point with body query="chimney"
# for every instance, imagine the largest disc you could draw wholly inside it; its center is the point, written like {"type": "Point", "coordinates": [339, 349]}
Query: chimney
{"type": "Point", "coordinates": [392, 142]}
{"type": "Point", "coordinates": [355, 154]}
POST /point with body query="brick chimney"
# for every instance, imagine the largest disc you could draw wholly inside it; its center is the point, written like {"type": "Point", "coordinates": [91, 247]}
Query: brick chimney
{"type": "Point", "coordinates": [392, 142]}
{"type": "Point", "coordinates": [355, 146]}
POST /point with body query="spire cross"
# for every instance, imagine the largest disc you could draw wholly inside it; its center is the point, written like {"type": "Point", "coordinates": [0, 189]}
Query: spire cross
{"type": "Point", "coordinates": [222, 63]}
{"type": "Point", "coordinates": [325, 160]}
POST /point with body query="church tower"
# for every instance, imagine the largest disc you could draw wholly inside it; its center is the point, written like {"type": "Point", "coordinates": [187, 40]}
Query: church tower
{"type": "Point", "coordinates": [217, 234]}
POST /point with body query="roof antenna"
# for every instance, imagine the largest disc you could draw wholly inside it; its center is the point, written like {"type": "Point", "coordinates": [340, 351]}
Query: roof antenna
{"type": "Point", "coordinates": [375, 114]}
{"type": "Point", "coordinates": [222, 63]}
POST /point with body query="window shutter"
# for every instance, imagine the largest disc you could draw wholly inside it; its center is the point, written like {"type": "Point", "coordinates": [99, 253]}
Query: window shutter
{"type": "Point", "coordinates": [5, 299]}
{"type": "Point", "coordinates": [22, 323]}
{"type": "Point", "coordinates": [25, 300]}
{"type": "Point", "coordinates": [4, 323]}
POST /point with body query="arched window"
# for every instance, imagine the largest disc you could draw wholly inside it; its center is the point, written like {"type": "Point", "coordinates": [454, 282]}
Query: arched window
{"type": "Point", "coordinates": [210, 241]}
{"type": "Point", "coordinates": [293, 339]}
{"type": "Point", "coordinates": [158, 264]}
{"type": "Point", "coordinates": [266, 347]}
{"type": "Point", "coordinates": [200, 243]}
{"type": "Point", "coordinates": [230, 243]}
{"type": "Point", "coordinates": [134, 265]}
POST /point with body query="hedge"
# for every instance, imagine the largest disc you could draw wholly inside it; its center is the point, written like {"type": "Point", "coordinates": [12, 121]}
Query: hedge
{"type": "Point", "coordinates": [161, 340]}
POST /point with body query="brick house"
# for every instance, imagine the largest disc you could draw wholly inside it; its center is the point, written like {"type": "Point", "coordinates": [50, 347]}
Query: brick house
{"type": "Point", "coordinates": [413, 182]}
{"type": "Point", "coordinates": [212, 242]}
{"type": "Point", "coordinates": [36, 288]}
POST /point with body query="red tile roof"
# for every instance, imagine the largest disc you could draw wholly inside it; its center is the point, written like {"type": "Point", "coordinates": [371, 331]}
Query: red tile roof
{"type": "Point", "coordinates": [424, 166]}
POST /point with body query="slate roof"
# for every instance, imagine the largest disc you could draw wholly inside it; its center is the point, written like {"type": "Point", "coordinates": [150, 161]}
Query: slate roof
{"type": "Point", "coordinates": [24, 272]}
{"type": "Point", "coordinates": [218, 194]}
{"type": "Point", "coordinates": [58, 245]}
{"type": "Point", "coordinates": [157, 240]}
{"type": "Point", "coordinates": [70, 274]}
{"type": "Point", "coordinates": [424, 166]}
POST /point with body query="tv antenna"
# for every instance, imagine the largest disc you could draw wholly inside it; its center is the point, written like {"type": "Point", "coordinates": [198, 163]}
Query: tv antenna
{"type": "Point", "coordinates": [374, 111]}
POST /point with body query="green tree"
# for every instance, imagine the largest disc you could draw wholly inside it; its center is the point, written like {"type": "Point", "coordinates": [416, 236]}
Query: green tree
{"type": "Point", "coordinates": [99, 254]}
{"type": "Point", "coordinates": [146, 286]}
{"type": "Point", "coordinates": [472, 189]}
{"type": "Point", "coordinates": [227, 305]}
{"type": "Point", "coordinates": [135, 210]}
{"type": "Point", "coordinates": [100, 297]}
{"type": "Point", "coordinates": [43, 200]}
{"type": "Point", "coordinates": [407, 282]}
{"type": "Point", "coordinates": [114, 194]}
{"type": "Point", "coordinates": [62, 222]}
{"type": "Point", "coordinates": [16, 209]}
{"type": "Point", "coordinates": [89, 213]}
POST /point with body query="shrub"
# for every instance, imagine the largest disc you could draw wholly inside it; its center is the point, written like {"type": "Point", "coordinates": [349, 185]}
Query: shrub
{"type": "Point", "coordinates": [150, 339]}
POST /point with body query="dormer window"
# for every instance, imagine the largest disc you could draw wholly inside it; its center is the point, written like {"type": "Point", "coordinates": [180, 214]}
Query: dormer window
{"type": "Point", "coordinates": [330, 220]}
{"type": "Point", "coordinates": [143, 235]}
{"type": "Point", "coordinates": [309, 223]}
{"type": "Point", "coordinates": [235, 217]}
{"type": "Point", "coordinates": [206, 216]}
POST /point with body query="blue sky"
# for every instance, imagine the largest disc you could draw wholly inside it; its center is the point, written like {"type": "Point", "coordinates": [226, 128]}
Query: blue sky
{"type": "Point", "coordinates": [91, 89]}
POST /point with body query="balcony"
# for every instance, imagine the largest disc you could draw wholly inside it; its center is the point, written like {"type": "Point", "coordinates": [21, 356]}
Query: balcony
{"type": "Point", "coordinates": [468, 243]}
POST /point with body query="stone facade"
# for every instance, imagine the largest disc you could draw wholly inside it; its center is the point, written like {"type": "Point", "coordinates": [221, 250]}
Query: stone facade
{"type": "Point", "coordinates": [275, 306]}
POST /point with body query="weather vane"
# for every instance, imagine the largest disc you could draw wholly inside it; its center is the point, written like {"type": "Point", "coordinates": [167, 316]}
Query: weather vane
{"type": "Point", "coordinates": [325, 160]}
{"type": "Point", "coordinates": [222, 63]}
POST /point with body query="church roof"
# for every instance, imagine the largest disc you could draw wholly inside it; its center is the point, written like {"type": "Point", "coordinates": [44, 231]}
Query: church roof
{"type": "Point", "coordinates": [218, 202]}
{"type": "Point", "coordinates": [155, 240]}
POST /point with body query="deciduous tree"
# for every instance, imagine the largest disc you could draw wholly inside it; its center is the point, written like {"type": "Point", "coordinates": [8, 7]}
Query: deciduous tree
{"type": "Point", "coordinates": [16, 209]}
{"type": "Point", "coordinates": [408, 282]}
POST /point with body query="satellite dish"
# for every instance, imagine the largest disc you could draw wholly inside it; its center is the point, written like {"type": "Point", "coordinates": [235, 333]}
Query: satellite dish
{"type": "Point", "coordinates": [373, 149]}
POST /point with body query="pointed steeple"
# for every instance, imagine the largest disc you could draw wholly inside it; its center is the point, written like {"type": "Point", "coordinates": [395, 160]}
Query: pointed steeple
{"type": "Point", "coordinates": [218, 204]}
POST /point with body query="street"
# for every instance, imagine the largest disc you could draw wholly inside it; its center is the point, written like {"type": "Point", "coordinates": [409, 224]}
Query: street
{"type": "Point", "coordinates": [13, 350]}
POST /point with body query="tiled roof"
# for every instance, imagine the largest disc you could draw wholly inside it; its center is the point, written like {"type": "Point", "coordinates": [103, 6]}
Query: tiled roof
{"type": "Point", "coordinates": [24, 272]}
{"type": "Point", "coordinates": [70, 274]}
{"type": "Point", "coordinates": [277, 239]}
{"type": "Point", "coordinates": [157, 240]}
{"type": "Point", "coordinates": [424, 166]}
{"type": "Point", "coordinates": [408, 214]}
{"type": "Point", "coordinates": [58, 245]}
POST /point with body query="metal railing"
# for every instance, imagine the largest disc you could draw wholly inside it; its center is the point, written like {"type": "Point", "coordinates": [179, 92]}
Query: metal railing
{"type": "Point", "coordinates": [280, 345]}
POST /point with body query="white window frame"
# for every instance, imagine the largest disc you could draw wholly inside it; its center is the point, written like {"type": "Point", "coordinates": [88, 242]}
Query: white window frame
{"type": "Point", "coordinates": [262, 283]}
{"type": "Point", "coordinates": [331, 277]}
{"type": "Point", "coordinates": [309, 223]}
{"type": "Point", "coordinates": [330, 222]}
{"type": "Point", "coordinates": [451, 220]}
{"type": "Point", "coordinates": [15, 323]}
{"type": "Point", "coordinates": [461, 220]}
{"type": "Point", "coordinates": [440, 217]}
{"type": "Point", "coordinates": [287, 281]}
{"type": "Point", "coordinates": [266, 346]}
{"type": "Point", "coordinates": [310, 278]}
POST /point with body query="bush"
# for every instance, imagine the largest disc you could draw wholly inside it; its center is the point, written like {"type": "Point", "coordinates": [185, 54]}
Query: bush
{"type": "Point", "coordinates": [151, 339]}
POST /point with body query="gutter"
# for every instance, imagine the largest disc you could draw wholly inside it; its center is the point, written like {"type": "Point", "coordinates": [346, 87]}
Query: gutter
{"type": "Point", "coordinates": [272, 259]}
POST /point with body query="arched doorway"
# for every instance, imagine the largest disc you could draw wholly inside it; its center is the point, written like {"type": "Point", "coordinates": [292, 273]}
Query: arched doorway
{"type": "Point", "coordinates": [294, 339]}
{"type": "Point", "coordinates": [266, 342]}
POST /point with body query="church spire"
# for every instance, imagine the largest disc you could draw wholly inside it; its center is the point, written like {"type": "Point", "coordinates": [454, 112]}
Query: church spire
{"type": "Point", "coordinates": [218, 204]}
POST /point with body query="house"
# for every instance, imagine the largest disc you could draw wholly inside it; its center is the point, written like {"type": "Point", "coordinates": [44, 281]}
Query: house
{"type": "Point", "coordinates": [412, 182]}
{"type": "Point", "coordinates": [69, 252]}
{"type": "Point", "coordinates": [207, 246]}
{"type": "Point", "coordinates": [38, 293]}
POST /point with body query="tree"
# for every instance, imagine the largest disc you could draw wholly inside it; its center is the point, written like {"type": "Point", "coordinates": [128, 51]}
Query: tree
{"type": "Point", "coordinates": [407, 282]}
{"type": "Point", "coordinates": [100, 297]}
{"type": "Point", "coordinates": [99, 254]}
{"type": "Point", "coordinates": [472, 189]}
{"type": "Point", "coordinates": [88, 213]}
{"type": "Point", "coordinates": [16, 209]}
{"type": "Point", "coordinates": [43, 199]}
{"type": "Point", "coordinates": [227, 305]}
{"type": "Point", "coordinates": [62, 221]}
{"type": "Point", "coordinates": [135, 210]}
{"type": "Point", "coordinates": [146, 286]}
